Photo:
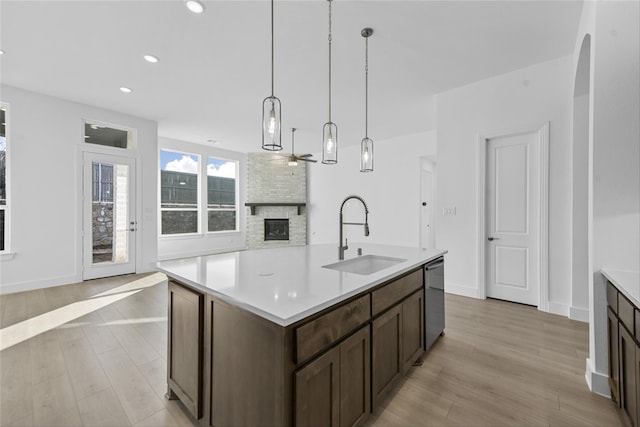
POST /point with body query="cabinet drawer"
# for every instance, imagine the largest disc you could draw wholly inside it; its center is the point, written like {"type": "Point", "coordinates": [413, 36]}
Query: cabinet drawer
{"type": "Point", "coordinates": [626, 313]}
{"type": "Point", "coordinates": [612, 297]}
{"type": "Point", "coordinates": [320, 333]}
{"type": "Point", "coordinates": [390, 294]}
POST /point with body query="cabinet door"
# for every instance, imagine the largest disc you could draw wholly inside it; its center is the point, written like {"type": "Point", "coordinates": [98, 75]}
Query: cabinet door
{"type": "Point", "coordinates": [386, 352]}
{"type": "Point", "coordinates": [412, 329]}
{"type": "Point", "coordinates": [614, 373]}
{"type": "Point", "coordinates": [355, 374]}
{"type": "Point", "coordinates": [185, 339]}
{"type": "Point", "coordinates": [628, 395]}
{"type": "Point", "coordinates": [207, 420]}
{"type": "Point", "coordinates": [318, 391]}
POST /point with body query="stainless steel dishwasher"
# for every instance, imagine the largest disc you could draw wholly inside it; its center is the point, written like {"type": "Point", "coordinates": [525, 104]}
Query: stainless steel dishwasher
{"type": "Point", "coordinates": [433, 301]}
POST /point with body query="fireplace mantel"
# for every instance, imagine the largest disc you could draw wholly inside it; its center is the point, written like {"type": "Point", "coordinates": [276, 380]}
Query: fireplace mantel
{"type": "Point", "coordinates": [253, 206]}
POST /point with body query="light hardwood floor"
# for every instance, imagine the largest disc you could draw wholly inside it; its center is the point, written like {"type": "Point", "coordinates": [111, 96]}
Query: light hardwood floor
{"type": "Point", "coordinates": [94, 354]}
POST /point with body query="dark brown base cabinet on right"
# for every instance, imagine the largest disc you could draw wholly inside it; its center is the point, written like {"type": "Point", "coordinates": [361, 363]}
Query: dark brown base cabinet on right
{"type": "Point", "coordinates": [624, 353]}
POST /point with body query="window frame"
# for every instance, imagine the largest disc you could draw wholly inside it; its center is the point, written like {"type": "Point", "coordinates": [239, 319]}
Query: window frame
{"type": "Point", "coordinates": [236, 190]}
{"type": "Point", "coordinates": [6, 253]}
{"type": "Point", "coordinates": [132, 140]}
{"type": "Point", "coordinates": [198, 208]}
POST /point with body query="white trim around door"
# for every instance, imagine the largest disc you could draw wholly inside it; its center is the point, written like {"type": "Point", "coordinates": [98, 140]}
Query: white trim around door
{"type": "Point", "coordinates": [542, 131]}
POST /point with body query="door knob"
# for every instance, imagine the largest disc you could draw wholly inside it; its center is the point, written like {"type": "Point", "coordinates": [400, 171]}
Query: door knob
{"type": "Point", "coordinates": [491, 239]}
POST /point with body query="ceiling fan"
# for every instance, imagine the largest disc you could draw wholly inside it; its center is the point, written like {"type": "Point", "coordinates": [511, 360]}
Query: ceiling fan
{"type": "Point", "coordinates": [293, 158]}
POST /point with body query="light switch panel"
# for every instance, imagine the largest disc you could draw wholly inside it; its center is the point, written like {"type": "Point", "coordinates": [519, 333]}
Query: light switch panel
{"type": "Point", "coordinates": [449, 211]}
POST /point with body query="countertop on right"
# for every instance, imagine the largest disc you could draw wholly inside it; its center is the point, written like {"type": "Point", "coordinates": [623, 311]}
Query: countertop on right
{"type": "Point", "coordinates": [627, 282]}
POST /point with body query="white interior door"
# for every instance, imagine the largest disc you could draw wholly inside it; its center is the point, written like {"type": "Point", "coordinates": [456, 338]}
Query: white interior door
{"type": "Point", "coordinates": [108, 216]}
{"type": "Point", "coordinates": [427, 232]}
{"type": "Point", "coordinates": [512, 217]}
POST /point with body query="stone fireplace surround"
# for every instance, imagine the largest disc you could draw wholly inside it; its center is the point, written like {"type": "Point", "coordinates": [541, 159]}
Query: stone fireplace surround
{"type": "Point", "coordinates": [270, 179]}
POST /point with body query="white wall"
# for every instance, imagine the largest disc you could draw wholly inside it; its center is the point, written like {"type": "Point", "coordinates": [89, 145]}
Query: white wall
{"type": "Point", "coordinates": [614, 175]}
{"type": "Point", "coordinates": [392, 192]}
{"type": "Point", "coordinates": [532, 95]}
{"type": "Point", "coordinates": [46, 136]}
{"type": "Point", "coordinates": [616, 136]}
{"type": "Point", "coordinates": [170, 247]}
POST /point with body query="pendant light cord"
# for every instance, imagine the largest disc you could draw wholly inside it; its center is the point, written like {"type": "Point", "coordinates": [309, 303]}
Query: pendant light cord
{"type": "Point", "coordinates": [330, 39]}
{"type": "Point", "coordinates": [366, 87]}
{"type": "Point", "coordinates": [272, 56]}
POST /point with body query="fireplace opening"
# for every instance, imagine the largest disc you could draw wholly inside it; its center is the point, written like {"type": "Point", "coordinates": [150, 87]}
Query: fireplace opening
{"type": "Point", "coordinates": [276, 229]}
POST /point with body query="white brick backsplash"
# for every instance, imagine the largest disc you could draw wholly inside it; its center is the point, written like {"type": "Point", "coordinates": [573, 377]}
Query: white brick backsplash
{"type": "Point", "coordinates": [271, 179]}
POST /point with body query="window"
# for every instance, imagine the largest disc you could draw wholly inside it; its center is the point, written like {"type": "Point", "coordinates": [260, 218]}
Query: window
{"type": "Point", "coordinates": [3, 180]}
{"type": "Point", "coordinates": [178, 192]}
{"type": "Point", "coordinates": [107, 136]}
{"type": "Point", "coordinates": [221, 194]}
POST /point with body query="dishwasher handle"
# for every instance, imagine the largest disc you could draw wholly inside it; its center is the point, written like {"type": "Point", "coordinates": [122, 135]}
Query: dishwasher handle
{"type": "Point", "coordinates": [434, 264]}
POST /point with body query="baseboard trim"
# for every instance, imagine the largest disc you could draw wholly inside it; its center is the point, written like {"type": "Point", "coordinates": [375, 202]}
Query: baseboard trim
{"type": "Point", "coordinates": [465, 291]}
{"type": "Point", "coordinates": [580, 314]}
{"type": "Point", "coordinates": [558, 308]}
{"type": "Point", "coordinates": [597, 382]}
{"type": "Point", "coordinates": [39, 284]}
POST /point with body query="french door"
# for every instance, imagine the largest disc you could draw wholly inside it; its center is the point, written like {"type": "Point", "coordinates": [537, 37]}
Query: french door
{"type": "Point", "coordinates": [109, 224]}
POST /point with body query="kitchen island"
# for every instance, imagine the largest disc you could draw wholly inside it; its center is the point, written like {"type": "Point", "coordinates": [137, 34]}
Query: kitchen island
{"type": "Point", "coordinates": [274, 337]}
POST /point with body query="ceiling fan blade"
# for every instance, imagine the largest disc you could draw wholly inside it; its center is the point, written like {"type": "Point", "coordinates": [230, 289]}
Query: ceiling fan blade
{"type": "Point", "coordinates": [307, 160]}
{"type": "Point", "coordinates": [305, 155]}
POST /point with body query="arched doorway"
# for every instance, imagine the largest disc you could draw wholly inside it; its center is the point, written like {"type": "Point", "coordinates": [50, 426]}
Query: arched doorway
{"type": "Point", "coordinates": [580, 191]}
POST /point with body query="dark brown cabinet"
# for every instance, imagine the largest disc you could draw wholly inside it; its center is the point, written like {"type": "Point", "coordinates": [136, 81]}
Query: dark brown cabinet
{"type": "Point", "coordinates": [333, 390]}
{"type": "Point", "coordinates": [397, 341]}
{"type": "Point", "coordinates": [627, 356]}
{"type": "Point", "coordinates": [624, 354]}
{"type": "Point", "coordinates": [386, 352]}
{"type": "Point", "coordinates": [185, 336]}
{"type": "Point", "coordinates": [230, 366]}
{"type": "Point", "coordinates": [614, 373]}
{"type": "Point", "coordinates": [412, 329]}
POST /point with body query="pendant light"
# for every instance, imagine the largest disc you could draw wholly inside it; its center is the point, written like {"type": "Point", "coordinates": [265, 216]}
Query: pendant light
{"type": "Point", "coordinates": [271, 118]}
{"type": "Point", "coordinates": [329, 130]}
{"type": "Point", "coordinates": [366, 145]}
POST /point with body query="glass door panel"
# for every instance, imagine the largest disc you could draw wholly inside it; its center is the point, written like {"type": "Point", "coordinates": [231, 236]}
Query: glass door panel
{"type": "Point", "coordinates": [109, 225]}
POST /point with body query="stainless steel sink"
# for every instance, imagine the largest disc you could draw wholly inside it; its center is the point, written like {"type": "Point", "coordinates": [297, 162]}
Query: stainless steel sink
{"type": "Point", "coordinates": [367, 264]}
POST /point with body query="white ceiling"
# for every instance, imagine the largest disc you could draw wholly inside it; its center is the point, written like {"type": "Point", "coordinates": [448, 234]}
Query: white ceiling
{"type": "Point", "coordinates": [214, 68]}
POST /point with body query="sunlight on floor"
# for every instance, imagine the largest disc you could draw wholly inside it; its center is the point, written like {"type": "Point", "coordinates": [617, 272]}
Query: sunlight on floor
{"type": "Point", "coordinates": [19, 332]}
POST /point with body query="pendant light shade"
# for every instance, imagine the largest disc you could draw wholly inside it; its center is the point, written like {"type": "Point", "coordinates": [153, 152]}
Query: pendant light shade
{"type": "Point", "coordinates": [271, 132]}
{"type": "Point", "coordinates": [330, 130]}
{"type": "Point", "coordinates": [271, 117]}
{"type": "Point", "coordinates": [366, 155]}
{"type": "Point", "coordinates": [330, 143]}
{"type": "Point", "coordinates": [366, 145]}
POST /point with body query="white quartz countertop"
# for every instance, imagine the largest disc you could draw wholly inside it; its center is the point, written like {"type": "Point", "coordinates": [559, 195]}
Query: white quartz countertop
{"type": "Point", "coordinates": [287, 284]}
{"type": "Point", "coordinates": [627, 282]}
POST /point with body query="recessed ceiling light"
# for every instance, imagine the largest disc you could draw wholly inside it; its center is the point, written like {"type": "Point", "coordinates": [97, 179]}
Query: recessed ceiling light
{"type": "Point", "coordinates": [1, 52]}
{"type": "Point", "coordinates": [195, 6]}
{"type": "Point", "coordinates": [151, 58]}
{"type": "Point", "coordinates": [125, 89]}
{"type": "Point", "coordinates": [87, 137]}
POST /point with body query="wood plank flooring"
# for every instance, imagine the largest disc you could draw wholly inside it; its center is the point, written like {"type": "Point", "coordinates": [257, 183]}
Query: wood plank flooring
{"type": "Point", "coordinates": [499, 364]}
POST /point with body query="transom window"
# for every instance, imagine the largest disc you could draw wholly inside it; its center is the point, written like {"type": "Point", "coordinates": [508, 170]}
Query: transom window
{"type": "Point", "coordinates": [99, 134]}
